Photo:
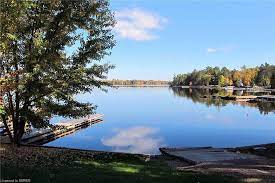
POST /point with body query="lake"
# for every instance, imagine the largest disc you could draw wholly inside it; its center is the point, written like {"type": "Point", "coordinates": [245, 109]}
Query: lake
{"type": "Point", "coordinates": [142, 119]}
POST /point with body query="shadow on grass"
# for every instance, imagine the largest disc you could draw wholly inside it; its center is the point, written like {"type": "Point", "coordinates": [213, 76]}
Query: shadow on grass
{"type": "Point", "coordinates": [115, 170]}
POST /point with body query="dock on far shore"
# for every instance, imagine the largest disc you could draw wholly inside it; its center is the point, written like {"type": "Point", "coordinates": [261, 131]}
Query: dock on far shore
{"type": "Point", "coordinates": [239, 98]}
{"type": "Point", "coordinates": [245, 98]}
{"type": "Point", "coordinates": [270, 98]}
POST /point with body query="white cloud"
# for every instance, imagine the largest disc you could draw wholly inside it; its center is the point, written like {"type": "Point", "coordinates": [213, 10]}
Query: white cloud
{"type": "Point", "coordinates": [137, 24]}
{"type": "Point", "coordinates": [218, 119]}
{"type": "Point", "coordinates": [134, 140]}
{"type": "Point", "coordinates": [211, 50]}
{"type": "Point", "coordinates": [215, 50]}
{"type": "Point", "coordinates": [210, 116]}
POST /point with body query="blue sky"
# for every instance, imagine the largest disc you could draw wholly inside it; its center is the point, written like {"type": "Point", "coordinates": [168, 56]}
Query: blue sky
{"type": "Point", "coordinates": [159, 38]}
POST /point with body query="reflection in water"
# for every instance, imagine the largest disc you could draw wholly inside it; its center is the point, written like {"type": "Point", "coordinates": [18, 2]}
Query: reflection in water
{"type": "Point", "coordinates": [154, 117]}
{"type": "Point", "coordinates": [134, 140]}
{"type": "Point", "coordinates": [197, 95]}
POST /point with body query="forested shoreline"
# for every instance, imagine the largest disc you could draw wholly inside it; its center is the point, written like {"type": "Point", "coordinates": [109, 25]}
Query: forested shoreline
{"type": "Point", "coordinates": [137, 82]}
{"type": "Point", "coordinates": [263, 76]}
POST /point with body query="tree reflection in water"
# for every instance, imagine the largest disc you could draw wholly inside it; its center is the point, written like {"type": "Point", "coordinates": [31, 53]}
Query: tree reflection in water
{"type": "Point", "coordinates": [205, 96]}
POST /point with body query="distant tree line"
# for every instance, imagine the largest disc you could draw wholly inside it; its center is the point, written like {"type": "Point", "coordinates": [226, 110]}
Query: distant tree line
{"type": "Point", "coordinates": [137, 82]}
{"type": "Point", "coordinates": [263, 75]}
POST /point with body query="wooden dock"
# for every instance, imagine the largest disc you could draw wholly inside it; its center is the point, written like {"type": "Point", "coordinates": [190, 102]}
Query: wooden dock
{"type": "Point", "coordinates": [268, 98]}
{"type": "Point", "coordinates": [239, 98]}
{"type": "Point", "coordinates": [63, 128]}
{"type": "Point", "coordinates": [264, 98]}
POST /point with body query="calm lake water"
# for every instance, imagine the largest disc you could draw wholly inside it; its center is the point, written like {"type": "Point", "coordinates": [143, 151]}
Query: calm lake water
{"type": "Point", "coordinates": [140, 120]}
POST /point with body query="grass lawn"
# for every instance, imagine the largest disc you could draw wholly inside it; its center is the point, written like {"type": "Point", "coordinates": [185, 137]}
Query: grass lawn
{"type": "Point", "coordinates": [108, 171]}
{"type": "Point", "coordinates": [75, 167]}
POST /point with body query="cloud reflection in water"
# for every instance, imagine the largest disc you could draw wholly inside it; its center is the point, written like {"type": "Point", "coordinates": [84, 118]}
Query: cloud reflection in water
{"type": "Point", "coordinates": [137, 139]}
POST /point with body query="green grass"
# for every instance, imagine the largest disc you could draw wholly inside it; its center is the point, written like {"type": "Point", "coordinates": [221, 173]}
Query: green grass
{"type": "Point", "coordinates": [108, 170]}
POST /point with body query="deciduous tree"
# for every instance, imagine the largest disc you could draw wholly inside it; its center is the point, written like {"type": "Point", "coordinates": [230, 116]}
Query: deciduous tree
{"type": "Point", "coordinates": [41, 77]}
